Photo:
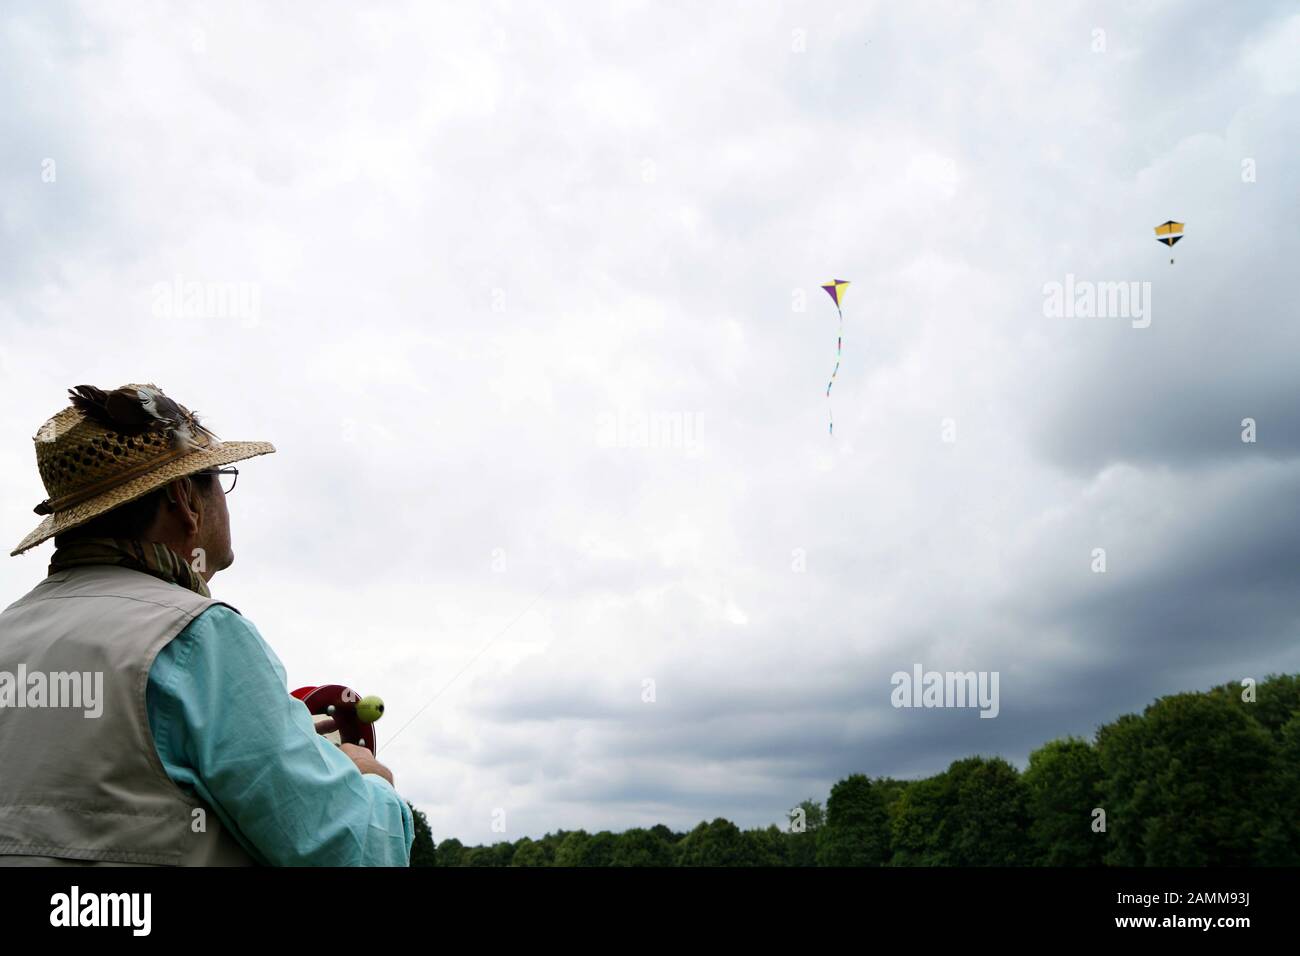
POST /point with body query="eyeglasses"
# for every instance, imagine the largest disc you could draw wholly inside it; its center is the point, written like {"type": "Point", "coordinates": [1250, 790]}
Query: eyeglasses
{"type": "Point", "coordinates": [228, 477]}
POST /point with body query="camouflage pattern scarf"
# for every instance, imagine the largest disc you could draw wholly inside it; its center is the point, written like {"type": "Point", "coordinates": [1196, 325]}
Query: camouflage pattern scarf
{"type": "Point", "coordinates": [147, 556]}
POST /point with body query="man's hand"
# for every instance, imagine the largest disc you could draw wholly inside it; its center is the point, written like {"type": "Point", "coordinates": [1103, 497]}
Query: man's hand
{"type": "Point", "coordinates": [366, 761]}
{"type": "Point", "coordinates": [361, 756]}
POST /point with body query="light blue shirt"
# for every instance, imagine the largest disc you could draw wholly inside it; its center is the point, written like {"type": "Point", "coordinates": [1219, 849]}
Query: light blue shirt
{"type": "Point", "coordinates": [226, 728]}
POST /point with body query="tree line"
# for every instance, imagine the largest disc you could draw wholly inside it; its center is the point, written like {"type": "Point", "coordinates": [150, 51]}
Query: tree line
{"type": "Point", "coordinates": [1206, 778]}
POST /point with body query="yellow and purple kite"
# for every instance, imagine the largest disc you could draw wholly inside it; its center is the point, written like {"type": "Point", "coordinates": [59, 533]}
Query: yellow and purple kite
{"type": "Point", "coordinates": [835, 289]}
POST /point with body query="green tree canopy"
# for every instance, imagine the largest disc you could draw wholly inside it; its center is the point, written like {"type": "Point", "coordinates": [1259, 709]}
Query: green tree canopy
{"type": "Point", "coordinates": [423, 852]}
{"type": "Point", "coordinates": [973, 814]}
{"type": "Point", "coordinates": [529, 853]}
{"type": "Point", "coordinates": [1193, 782]}
{"type": "Point", "coordinates": [1063, 788]}
{"type": "Point", "coordinates": [641, 847]}
{"type": "Point", "coordinates": [857, 827]}
{"type": "Point", "coordinates": [451, 852]}
{"type": "Point", "coordinates": [712, 844]}
{"type": "Point", "coordinates": [766, 846]}
{"type": "Point", "coordinates": [572, 850]}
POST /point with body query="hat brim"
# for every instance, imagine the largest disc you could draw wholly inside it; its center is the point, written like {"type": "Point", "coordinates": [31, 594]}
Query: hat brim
{"type": "Point", "coordinates": [79, 514]}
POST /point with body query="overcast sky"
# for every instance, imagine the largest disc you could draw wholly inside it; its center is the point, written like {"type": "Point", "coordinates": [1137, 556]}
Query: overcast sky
{"type": "Point", "coordinates": [473, 248]}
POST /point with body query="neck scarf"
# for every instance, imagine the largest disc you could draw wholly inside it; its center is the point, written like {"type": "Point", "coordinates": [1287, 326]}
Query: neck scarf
{"type": "Point", "coordinates": [147, 556]}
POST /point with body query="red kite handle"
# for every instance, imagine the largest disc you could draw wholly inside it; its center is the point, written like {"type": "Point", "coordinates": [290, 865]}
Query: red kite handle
{"type": "Point", "coordinates": [340, 703]}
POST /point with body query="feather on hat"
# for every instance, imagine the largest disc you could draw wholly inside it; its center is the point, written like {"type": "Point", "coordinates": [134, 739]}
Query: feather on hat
{"type": "Point", "coordinates": [110, 447]}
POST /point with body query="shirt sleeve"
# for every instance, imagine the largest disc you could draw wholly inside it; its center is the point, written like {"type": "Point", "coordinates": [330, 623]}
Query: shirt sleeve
{"type": "Point", "coordinates": [226, 727]}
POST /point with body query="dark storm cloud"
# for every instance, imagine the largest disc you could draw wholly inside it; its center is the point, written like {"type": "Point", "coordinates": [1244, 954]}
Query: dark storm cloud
{"type": "Point", "coordinates": [473, 239]}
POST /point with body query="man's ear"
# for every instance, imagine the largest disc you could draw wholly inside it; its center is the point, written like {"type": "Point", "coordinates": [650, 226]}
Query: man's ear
{"type": "Point", "coordinates": [196, 501]}
{"type": "Point", "coordinates": [185, 496]}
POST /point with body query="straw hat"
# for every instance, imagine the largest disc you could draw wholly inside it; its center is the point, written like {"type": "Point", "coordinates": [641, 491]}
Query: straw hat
{"type": "Point", "coordinates": [109, 448]}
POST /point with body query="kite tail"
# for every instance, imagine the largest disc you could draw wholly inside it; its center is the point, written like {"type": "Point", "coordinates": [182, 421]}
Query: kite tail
{"type": "Point", "coordinates": [839, 348]}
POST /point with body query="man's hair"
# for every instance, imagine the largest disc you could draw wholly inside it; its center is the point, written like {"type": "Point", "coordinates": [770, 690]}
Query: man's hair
{"type": "Point", "coordinates": [130, 520]}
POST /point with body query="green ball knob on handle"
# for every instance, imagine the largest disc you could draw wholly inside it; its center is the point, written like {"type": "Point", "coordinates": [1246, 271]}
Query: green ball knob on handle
{"type": "Point", "coordinates": [370, 709]}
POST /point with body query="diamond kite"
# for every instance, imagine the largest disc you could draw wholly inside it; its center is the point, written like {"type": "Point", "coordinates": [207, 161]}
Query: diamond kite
{"type": "Point", "coordinates": [835, 289]}
{"type": "Point", "coordinates": [1169, 233]}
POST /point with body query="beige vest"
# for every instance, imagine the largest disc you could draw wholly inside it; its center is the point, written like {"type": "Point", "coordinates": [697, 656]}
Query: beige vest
{"type": "Point", "coordinates": [80, 790]}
